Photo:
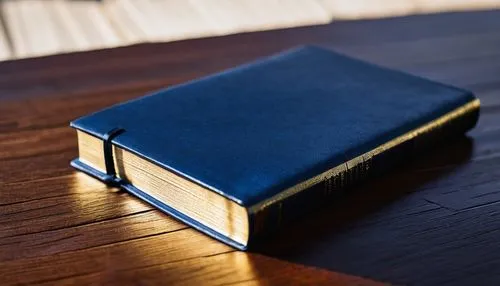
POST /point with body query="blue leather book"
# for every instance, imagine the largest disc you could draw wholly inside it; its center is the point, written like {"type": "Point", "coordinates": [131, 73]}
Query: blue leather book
{"type": "Point", "coordinates": [238, 153]}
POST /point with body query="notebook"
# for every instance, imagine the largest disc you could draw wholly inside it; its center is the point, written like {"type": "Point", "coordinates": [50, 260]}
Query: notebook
{"type": "Point", "coordinates": [239, 153]}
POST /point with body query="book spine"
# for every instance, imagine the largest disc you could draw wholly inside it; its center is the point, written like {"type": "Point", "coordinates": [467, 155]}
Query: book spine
{"type": "Point", "coordinates": [268, 217]}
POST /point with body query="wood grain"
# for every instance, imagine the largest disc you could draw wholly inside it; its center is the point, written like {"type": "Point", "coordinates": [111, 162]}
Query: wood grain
{"type": "Point", "coordinates": [433, 222]}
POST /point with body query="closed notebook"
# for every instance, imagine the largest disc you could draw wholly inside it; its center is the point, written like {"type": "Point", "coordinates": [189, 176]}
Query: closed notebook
{"type": "Point", "coordinates": [239, 153]}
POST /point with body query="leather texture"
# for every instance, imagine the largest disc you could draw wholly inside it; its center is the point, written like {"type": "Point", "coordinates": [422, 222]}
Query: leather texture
{"type": "Point", "coordinates": [252, 131]}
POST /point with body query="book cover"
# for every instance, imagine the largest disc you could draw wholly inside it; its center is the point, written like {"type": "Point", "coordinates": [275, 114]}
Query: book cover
{"type": "Point", "coordinates": [271, 139]}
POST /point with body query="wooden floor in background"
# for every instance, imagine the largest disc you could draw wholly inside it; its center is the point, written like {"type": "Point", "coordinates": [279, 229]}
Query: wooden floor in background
{"type": "Point", "coordinates": [434, 222]}
{"type": "Point", "coordinates": [30, 28]}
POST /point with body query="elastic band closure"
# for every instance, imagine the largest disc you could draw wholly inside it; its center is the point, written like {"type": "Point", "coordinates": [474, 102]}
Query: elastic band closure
{"type": "Point", "coordinates": [108, 150]}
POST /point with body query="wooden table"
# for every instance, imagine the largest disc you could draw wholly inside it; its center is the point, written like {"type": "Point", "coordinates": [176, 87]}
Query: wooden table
{"type": "Point", "coordinates": [434, 222]}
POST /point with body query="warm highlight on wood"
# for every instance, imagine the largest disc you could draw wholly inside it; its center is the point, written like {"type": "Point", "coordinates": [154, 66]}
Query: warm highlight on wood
{"type": "Point", "coordinates": [433, 222]}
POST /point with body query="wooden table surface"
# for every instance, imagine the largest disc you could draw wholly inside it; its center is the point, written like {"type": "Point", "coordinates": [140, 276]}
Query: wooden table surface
{"type": "Point", "coordinates": [434, 222]}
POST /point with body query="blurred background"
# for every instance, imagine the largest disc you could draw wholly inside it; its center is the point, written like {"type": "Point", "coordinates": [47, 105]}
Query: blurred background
{"type": "Point", "coordinates": [31, 28]}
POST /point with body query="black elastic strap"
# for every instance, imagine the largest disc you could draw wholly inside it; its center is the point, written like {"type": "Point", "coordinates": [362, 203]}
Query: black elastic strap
{"type": "Point", "coordinates": [108, 150]}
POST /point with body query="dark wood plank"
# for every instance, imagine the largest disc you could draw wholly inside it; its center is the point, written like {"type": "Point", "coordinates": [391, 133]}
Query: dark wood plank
{"type": "Point", "coordinates": [234, 268]}
{"type": "Point", "coordinates": [433, 222]}
{"type": "Point", "coordinates": [28, 168]}
{"type": "Point", "coordinates": [188, 59]}
{"type": "Point", "coordinates": [134, 253]}
{"type": "Point", "coordinates": [195, 268]}
{"type": "Point", "coordinates": [391, 229]}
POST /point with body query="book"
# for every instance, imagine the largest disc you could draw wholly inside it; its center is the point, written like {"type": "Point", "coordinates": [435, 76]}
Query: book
{"type": "Point", "coordinates": [241, 152]}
